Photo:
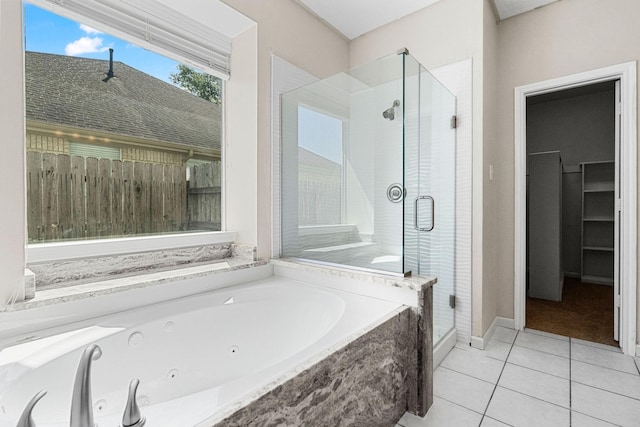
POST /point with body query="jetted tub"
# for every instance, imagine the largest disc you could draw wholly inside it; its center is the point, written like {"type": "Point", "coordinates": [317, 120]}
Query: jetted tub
{"type": "Point", "coordinates": [195, 357]}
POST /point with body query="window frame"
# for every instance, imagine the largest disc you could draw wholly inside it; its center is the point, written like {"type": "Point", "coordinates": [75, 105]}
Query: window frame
{"type": "Point", "coordinates": [344, 119]}
{"type": "Point", "coordinates": [64, 250]}
{"type": "Point", "coordinates": [152, 25]}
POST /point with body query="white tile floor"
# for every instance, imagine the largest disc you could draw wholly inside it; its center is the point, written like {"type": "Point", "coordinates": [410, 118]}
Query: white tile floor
{"type": "Point", "coordinates": [533, 378]}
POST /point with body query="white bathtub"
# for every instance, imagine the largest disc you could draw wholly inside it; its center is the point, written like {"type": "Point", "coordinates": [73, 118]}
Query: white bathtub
{"type": "Point", "coordinates": [198, 358]}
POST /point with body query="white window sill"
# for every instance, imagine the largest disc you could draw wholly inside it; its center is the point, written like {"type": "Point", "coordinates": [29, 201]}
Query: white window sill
{"type": "Point", "coordinates": [63, 251]}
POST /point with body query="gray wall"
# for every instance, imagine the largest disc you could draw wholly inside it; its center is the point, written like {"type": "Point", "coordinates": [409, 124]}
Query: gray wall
{"type": "Point", "coordinates": [582, 127]}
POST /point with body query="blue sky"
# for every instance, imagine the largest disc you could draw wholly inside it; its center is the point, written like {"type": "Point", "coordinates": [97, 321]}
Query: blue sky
{"type": "Point", "coordinates": [50, 33]}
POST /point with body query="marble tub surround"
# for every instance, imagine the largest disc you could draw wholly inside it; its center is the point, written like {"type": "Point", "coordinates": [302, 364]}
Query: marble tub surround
{"type": "Point", "coordinates": [386, 374]}
{"type": "Point", "coordinates": [421, 358]}
{"type": "Point", "coordinates": [55, 295]}
{"type": "Point", "coordinates": [281, 328]}
{"type": "Point", "coordinates": [80, 279]}
{"type": "Point", "coordinates": [75, 272]}
{"type": "Point", "coordinates": [416, 292]}
{"type": "Point", "coordinates": [404, 290]}
{"type": "Point", "coordinates": [29, 284]}
{"type": "Point", "coordinates": [364, 383]}
{"type": "Point", "coordinates": [244, 252]}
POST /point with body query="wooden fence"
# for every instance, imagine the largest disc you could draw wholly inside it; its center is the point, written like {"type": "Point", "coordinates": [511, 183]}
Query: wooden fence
{"type": "Point", "coordinates": [72, 197]}
{"type": "Point", "coordinates": [203, 200]}
{"type": "Point", "coordinates": [319, 195]}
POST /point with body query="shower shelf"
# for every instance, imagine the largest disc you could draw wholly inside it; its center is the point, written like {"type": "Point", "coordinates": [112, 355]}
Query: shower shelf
{"type": "Point", "coordinates": [598, 219]}
{"type": "Point", "coordinates": [597, 248]}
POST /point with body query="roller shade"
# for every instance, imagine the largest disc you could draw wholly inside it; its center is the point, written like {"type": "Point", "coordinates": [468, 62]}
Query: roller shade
{"type": "Point", "coordinates": [152, 25]}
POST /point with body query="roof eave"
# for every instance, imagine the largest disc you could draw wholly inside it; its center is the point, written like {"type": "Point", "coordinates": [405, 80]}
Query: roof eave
{"type": "Point", "coordinates": [93, 136]}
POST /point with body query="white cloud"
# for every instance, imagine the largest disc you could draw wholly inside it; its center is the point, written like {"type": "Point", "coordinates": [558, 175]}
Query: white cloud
{"type": "Point", "coordinates": [87, 29]}
{"type": "Point", "coordinates": [85, 45]}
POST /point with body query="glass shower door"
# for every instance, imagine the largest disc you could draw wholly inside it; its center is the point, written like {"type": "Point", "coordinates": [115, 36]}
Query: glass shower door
{"type": "Point", "coordinates": [368, 174]}
{"type": "Point", "coordinates": [429, 168]}
{"type": "Point", "coordinates": [342, 163]}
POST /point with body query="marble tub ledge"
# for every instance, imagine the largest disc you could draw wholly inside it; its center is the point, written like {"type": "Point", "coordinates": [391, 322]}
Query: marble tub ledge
{"type": "Point", "coordinates": [105, 287]}
{"type": "Point", "coordinates": [416, 283]}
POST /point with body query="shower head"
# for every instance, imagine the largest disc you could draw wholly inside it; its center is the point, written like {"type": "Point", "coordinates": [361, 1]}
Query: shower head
{"type": "Point", "coordinates": [390, 113]}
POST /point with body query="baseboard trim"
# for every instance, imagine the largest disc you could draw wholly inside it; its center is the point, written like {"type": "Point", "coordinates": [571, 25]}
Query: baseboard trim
{"type": "Point", "coordinates": [481, 342]}
{"type": "Point", "coordinates": [443, 347]}
{"type": "Point", "coordinates": [637, 350]}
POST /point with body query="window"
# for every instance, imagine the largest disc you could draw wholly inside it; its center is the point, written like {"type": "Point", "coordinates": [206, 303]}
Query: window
{"type": "Point", "coordinates": [121, 141]}
{"type": "Point", "coordinates": [97, 151]}
{"type": "Point", "coordinates": [320, 168]}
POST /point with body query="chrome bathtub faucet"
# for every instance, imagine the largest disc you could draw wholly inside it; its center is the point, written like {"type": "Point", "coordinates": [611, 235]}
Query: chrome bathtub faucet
{"type": "Point", "coordinates": [25, 419]}
{"type": "Point", "coordinates": [81, 402]}
{"type": "Point", "coordinates": [132, 416]}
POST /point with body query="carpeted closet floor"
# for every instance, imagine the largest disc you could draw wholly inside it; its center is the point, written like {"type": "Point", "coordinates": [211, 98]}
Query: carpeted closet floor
{"type": "Point", "coordinates": [585, 312]}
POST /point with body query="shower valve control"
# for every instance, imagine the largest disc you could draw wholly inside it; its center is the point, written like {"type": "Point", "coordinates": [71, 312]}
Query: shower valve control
{"type": "Point", "coordinates": [396, 193]}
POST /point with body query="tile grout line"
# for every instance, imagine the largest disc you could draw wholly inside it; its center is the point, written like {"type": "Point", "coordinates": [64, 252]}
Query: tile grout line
{"type": "Point", "coordinates": [610, 350]}
{"type": "Point", "coordinates": [580, 361]}
{"type": "Point", "coordinates": [538, 370]}
{"type": "Point", "coordinates": [607, 367]}
{"type": "Point", "coordinates": [539, 399]}
{"type": "Point", "coordinates": [592, 386]}
{"type": "Point", "coordinates": [606, 391]}
{"type": "Point", "coordinates": [582, 342]}
{"type": "Point", "coordinates": [547, 335]}
{"type": "Point", "coordinates": [596, 418]}
{"type": "Point", "coordinates": [467, 375]}
{"type": "Point", "coordinates": [542, 351]}
{"type": "Point", "coordinates": [570, 381]}
{"type": "Point", "coordinates": [459, 405]}
{"type": "Point", "coordinates": [498, 380]}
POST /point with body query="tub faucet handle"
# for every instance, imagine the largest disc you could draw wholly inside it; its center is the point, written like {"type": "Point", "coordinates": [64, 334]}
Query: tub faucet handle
{"type": "Point", "coordinates": [25, 419]}
{"type": "Point", "coordinates": [132, 416]}
{"type": "Point", "coordinates": [81, 402]}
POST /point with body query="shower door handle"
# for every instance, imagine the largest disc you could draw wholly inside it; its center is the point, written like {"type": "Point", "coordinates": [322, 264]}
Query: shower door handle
{"type": "Point", "coordinates": [433, 210]}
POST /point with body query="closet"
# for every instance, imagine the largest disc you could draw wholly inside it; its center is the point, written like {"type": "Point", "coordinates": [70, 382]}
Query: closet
{"type": "Point", "coordinates": [570, 189]}
{"type": "Point", "coordinates": [598, 191]}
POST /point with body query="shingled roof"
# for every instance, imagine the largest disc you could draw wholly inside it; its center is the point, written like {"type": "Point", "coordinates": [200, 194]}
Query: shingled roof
{"type": "Point", "coordinates": [74, 92]}
{"type": "Point", "coordinates": [310, 159]}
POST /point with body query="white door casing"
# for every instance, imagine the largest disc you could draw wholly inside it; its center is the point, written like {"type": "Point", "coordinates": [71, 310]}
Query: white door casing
{"type": "Point", "coordinates": [626, 73]}
{"type": "Point", "coordinates": [617, 214]}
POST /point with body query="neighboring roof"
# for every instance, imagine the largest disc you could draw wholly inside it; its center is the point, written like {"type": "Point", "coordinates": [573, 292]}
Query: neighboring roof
{"type": "Point", "coordinates": [310, 159]}
{"type": "Point", "coordinates": [73, 91]}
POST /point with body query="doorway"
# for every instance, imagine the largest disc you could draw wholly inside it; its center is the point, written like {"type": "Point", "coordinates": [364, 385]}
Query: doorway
{"type": "Point", "coordinates": [571, 188]}
{"type": "Point", "coordinates": [623, 262]}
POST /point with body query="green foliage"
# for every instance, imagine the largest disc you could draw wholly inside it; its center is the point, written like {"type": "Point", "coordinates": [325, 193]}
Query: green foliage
{"type": "Point", "coordinates": [200, 84]}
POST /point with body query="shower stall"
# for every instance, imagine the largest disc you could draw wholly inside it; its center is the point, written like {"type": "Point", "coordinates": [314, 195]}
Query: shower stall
{"type": "Point", "coordinates": [368, 174]}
